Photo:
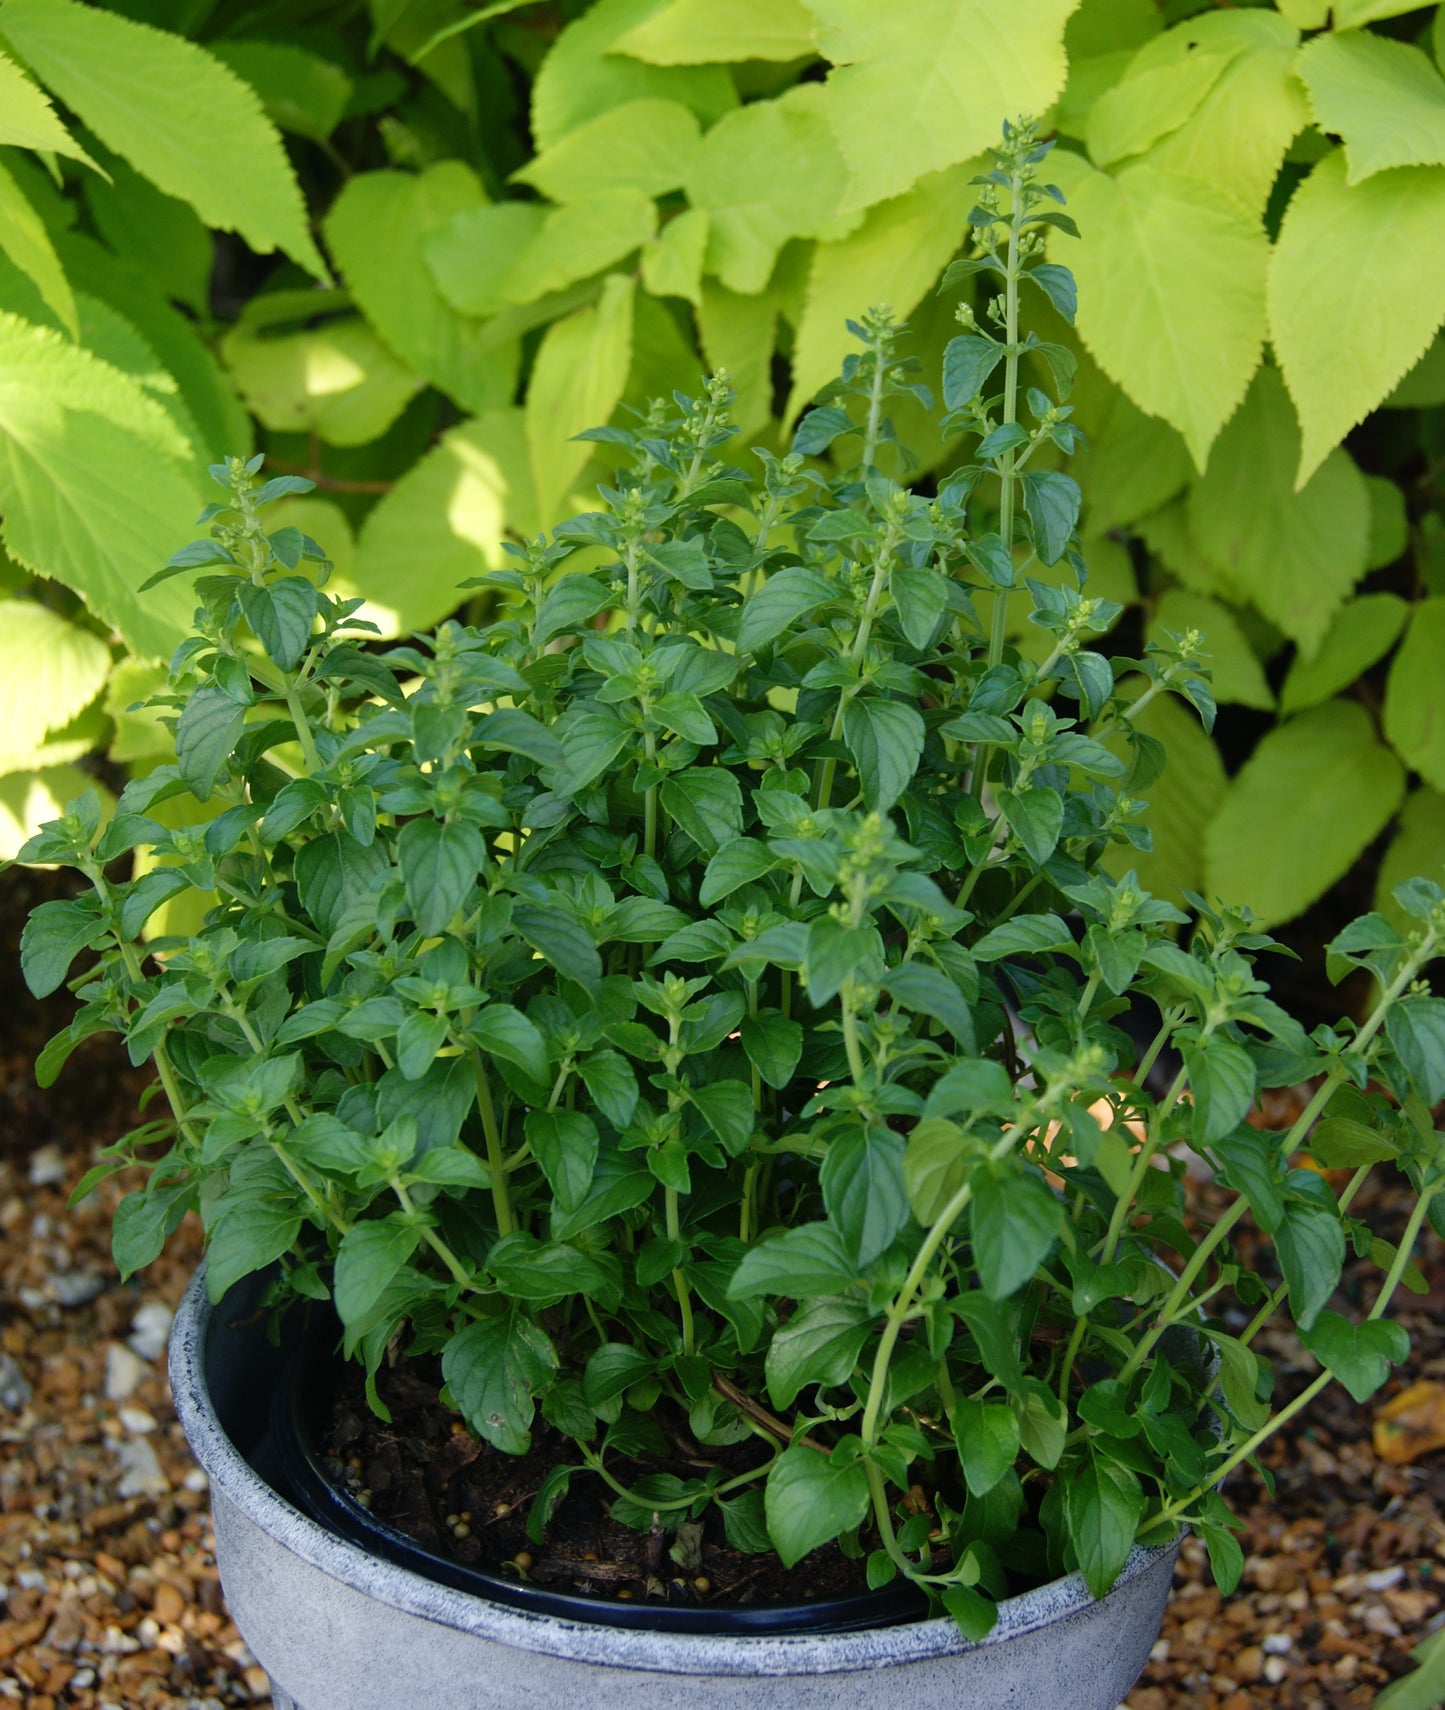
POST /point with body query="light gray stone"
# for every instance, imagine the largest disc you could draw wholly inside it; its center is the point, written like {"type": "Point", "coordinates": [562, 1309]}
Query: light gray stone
{"type": "Point", "coordinates": [140, 1471]}
{"type": "Point", "coordinates": [338, 1629]}
{"type": "Point", "coordinates": [150, 1330]}
{"type": "Point", "coordinates": [124, 1371]}
{"type": "Point", "coordinates": [75, 1288]}
{"type": "Point", "coordinates": [47, 1166]}
{"type": "Point", "coordinates": [15, 1390]}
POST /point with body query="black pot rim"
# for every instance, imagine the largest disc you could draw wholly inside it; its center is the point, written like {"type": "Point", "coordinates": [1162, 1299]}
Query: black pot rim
{"type": "Point", "coordinates": [332, 1506]}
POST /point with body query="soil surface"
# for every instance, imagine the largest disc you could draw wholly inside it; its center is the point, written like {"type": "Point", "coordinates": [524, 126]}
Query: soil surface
{"type": "Point", "coordinates": [109, 1598]}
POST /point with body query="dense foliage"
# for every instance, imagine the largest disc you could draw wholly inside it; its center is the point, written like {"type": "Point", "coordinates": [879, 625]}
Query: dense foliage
{"type": "Point", "coordinates": [698, 991]}
{"type": "Point", "coordinates": [386, 240]}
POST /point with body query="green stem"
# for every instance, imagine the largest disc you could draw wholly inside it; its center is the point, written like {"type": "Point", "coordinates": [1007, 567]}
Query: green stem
{"type": "Point", "coordinates": [303, 728]}
{"type": "Point", "coordinates": [460, 1273]}
{"type": "Point", "coordinates": [496, 1156]}
{"type": "Point", "coordinates": [1142, 1158]}
{"type": "Point", "coordinates": [999, 628]}
{"type": "Point", "coordinates": [679, 1281]}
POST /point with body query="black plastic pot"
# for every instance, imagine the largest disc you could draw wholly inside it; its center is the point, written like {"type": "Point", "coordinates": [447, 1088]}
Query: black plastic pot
{"type": "Point", "coordinates": [307, 1380]}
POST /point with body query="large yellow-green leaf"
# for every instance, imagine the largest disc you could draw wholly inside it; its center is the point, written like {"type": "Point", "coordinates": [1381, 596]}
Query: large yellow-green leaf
{"type": "Point", "coordinates": [1415, 694]}
{"type": "Point", "coordinates": [672, 261]}
{"type": "Point", "coordinates": [1384, 99]}
{"type": "Point", "coordinates": [27, 119]}
{"type": "Point", "coordinates": [50, 671]}
{"type": "Point", "coordinates": [337, 380]}
{"type": "Point", "coordinates": [579, 376]}
{"type": "Point", "coordinates": [1182, 801]}
{"type": "Point", "coordinates": [1166, 533]}
{"type": "Point", "coordinates": [704, 32]}
{"type": "Point", "coordinates": [1352, 14]}
{"type": "Point", "coordinates": [442, 524]}
{"type": "Point", "coordinates": [1238, 135]}
{"type": "Point", "coordinates": [25, 240]}
{"type": "Point", "coordinates": [1306, 804]}
{"type": "Point", "coordinates": [643, 145]}
{"type": "Point", "coordinates": [376, 230]}
{"type": "Point", "coordinates": [893, 257]}
{"type": "Point", "coordinates": [1236, 674]}
{"type": "Point", "coordinates": [471, 256]}
{"type": "Point", "coordinates": [737, 334]}
{"type": "Point", "coordinates": [1100, 40]}
{"type": "Point", "coordinates": [584, 75]}
{"type": "Point", "coordinates": [1129, 464]}
{"type": "Point", "coordinates": [1356, 293]}
{"type": "Point", "coordinates": [1171, 274]}
{"type": "Point", "coordinates": [159, 235]}
{"type": "Point", "coordinates": [924, 84]}
{"type": "Point", "coordinates": [1424, 385]}
{"type": "Point", "coordinates": [1293, 555]}
{"type": "Point", "coordinates": [1151, 100]}
{"type": "Point", "coordinates": [769, 172]}
{"type": "Point", "coordinates": [301, 92]}
{"type": "Point", "coordinates": [94, 484]}
{"type": "Point", "coordinates": [1363, 632]}
{"type": "Point", "coordinates": [1417, 851]}
{"type": "Point", "coordinates": [178, 115]}
{"type": "Point", "coordinates": [28, 799]}
{"type": "Point", "coordinates": [581, 239]}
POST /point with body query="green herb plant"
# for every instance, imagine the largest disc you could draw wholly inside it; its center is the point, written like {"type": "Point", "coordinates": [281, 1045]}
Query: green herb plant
{"type": "Point", "coordinates": [698, 991]}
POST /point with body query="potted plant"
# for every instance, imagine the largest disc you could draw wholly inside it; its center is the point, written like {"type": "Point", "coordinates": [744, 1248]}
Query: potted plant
{"type": "Point", "coordinates": [673, 1037]}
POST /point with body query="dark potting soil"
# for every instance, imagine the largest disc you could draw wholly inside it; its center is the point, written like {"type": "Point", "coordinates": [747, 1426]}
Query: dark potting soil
{"type": "Point", "coordinates": [426, 1475]}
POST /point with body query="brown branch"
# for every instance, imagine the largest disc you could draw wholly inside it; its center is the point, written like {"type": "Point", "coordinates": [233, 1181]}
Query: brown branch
{"type": "Point", "coordinates": [759, 1414]}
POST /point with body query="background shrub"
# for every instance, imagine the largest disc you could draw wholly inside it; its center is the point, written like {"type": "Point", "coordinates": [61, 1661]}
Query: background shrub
{"type": "Point", "coordinates": [411, 249]}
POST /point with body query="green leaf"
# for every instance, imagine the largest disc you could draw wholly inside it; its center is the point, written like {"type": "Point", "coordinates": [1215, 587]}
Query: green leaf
{"type": "Point", "coordinates": [53, 936]}
{"type": "Point", "coordinates": [1052, 503]}
{"type": "Point", "coordinates": [142, 1221]}
{"type": "Point", "coordinates": [609, 1078]}
{"type": "Point", "coordinates": [50, 671]}
{"type": "Point", "coordinates": [1333, 284]}
{"type": "Point", "coordinates": [1222, 1079]}
{"type": "Point", "coordinates": [727, 1108]}
{"type": "Point", "coordinates": [786, 596]}
{"type": "Point", "coordinates": [819, 1344]}
{"type": "Point", "coordinates": [1235, 673]}
{"type": "Point", "coordinates": [378, 231]}
{"type": "Point", "coordinates": [645, 146]}
{"type": "Point", "coordinates": [561, 939]}
{"type": "Point", "coordinates": [799, 1264]}
{"type": "Point", "coordinates": [987, 1434]}
{"type": "Point", "coordinates": [443, 523]}
{"type": "Point", "coordinates": [1310, 1243]}
{"type": "Point", "coordinates": [25, 240]}
{"type": "Point", "coordinates": [928, 991]}
{"type": "Point", "coordinates": [493, 1368]}
{"type": "Point", "coordinates": [1103, 1505]}
{"type": "Point", "coordinates": [1295, 555]}
{"type": "Point", "coordinates": [1036, 818]}
{"type": "Point", "coordinates": [471, 257]}
{"type": "Point", "coordinates": [920, 596]}
{"type": "Point", "coordinates": [707, 803]}
{"type": "Point", "coordinates": [1415, 694]}
{"type": "Point", "coordinates": [577, 380]}
{"type": "Point", "coordinates": [334, 874]}
{"type": "Point", "coordinates": [370, 1255]}
{"type": "Point", "coordinates": [91, 484]}
{"type": "Point", "coordinates": [27, 119]}
{"type": "Point", "coordinates": [771, 171]}
{"type": "Point", "coordinates": [885, 739]}
{"type": "Point", "coordinates": [968, 360]}
{"type": "Point", "coordinates": [507, 1033]}
{"type": "Point", "coordinates": [210, 724]}
{"type": "Point", "coordinates": [591, 743]}
{"type": "Point", "coordinates": [1015, 1224]}
{"type": "Point", "coordinates": [1327, 785]}
{"type": "Point", "coordinates": [700, 32]}
{"type": "Point", "coordinates": [773, 1045]}
{"type": "Point", "coordinates": [672, 267]}
{"type": "Point", "coordinates": [1417, 849]}
{"type": "Point", "coordinates": [1163, 253]}
{"type": "Point", "coordinates": [208, 142]}
{"type": "Point", "coordinates": [301, 92]}
{"type": "Point", "coordinates": [280, 615]}
{"type": "Point", "coordinates": [1416, 1026]}
{"type": "Point", "coordinates": [564, 1143]}
{"type": "Point", "coordinates": [923, 88]}
{"type": "Point", "coordinates": [1424, 1689]}
{"type": "Point", "coordinates": [810, 1498]}
{"type": "Point", "coordinates": [439, 865]}
{"type": "Point", "coordinates": [1043, 1421]}
{"type": "Point", "coordinates": [336, 379]}
{"type": "Point", "coordinates": [1362, 632]}
{"type": "Point", "coordinates": [579, 239]}
{"type": "Point", "coordinates": [834, 953]}
{"type": "Point", "coordinates": [1383, 99]}
{"type": "Point", "coordinates": [864, 1191]}
{"type": "Point", "coordinates": [251, 1232]}
{"type": "Point", "coordinates": [1359, 1355]}
{"type": "Point", "coordinates": [1159, 91]}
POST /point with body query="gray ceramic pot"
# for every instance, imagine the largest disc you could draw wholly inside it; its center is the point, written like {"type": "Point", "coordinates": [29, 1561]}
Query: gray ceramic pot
{"type": "Point", "coordinates": [338, 1629]}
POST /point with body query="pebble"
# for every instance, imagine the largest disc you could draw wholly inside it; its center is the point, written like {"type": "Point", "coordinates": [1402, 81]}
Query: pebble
{"type": "Point", "coordinates": [1275, 1670]}
{"type": "Point", "coordinates": [1276, 1644]}
{"type": "Point", "coordinates": [47, 1166]}
{"type": "Point", "coordinates": [140, 1471]}
{"type": "Point", "coordinates": [1384, 1579]}
{"type": "Point", "coordinates": [15, 1391]}
{"type": "Point", "coordinates": [124, 1371]}
{"type": "Point", "coordinates": [137, 1421]}
{"type": "Point", "coordinates": [75, 1288]}
{"type": "Point", "coordinates": [150, 1330]}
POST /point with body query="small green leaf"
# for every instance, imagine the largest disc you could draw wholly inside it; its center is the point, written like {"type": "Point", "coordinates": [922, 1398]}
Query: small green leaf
{"type": "Point", "coordinates": [786, 596]}
{"type": "Point", "coordinates": [987, 1434]}
{"type": "Point", "coordinates": [799, 1264]}
{"type": "Point", "coordinates": [439, 865]}
{"type": "Point", "coordinates": [370, 1255]}
{"type": "Point", "coordinates": [494, 1368]}
{"type": "Point", "coordinates": [1359, 1355]}
{"type": "Point", "coordinates": [885, 739]}
{"type": "Point", "coordinates": [565, 1144]}
{"type": "Point", "coordinates": [1015, 1223]}
{"type": "Point", "coordinates": [811, 1498]}
{"type": "Point", "coordinates": [819, 1344]}
{"type": "Point", "coordinates": [1103, 1505]}
{"type": "Point", "coordinates": [206, 736]}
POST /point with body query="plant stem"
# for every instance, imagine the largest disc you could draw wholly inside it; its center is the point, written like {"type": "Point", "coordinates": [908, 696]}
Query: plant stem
{"type": "Point", "coordinates": [999, 628]}
{"type": "Point", "coordinates": [496, 1155]}
{"type": "Point", "coordinates": [679, 1281]}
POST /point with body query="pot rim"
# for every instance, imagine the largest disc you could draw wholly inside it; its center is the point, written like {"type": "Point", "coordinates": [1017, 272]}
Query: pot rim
{"type": "Point", "coordinates": [625, 1647]}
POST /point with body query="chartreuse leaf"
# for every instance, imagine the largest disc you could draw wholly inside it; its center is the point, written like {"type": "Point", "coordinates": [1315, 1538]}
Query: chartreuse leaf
{"type": "Point", "coordinates": [301, 92]}
{"type": "Point", "coordinates": [1295, 555]}
{"type": "Point", "coordinates": [645, 146]}
{"type": "Point", "coordinates": [1359, 1355]}
{"type": "Point", "coordinates": [494, 1367]}
{"type": "Point", "coordinates": [377, 231]}
{"type": "Point", "coordinates": [578, 377]}
{"type": "Point", "coordinates": [704, 32]}
{"type": "Point", "coordinates": [27, 119]}
{"type": "Point", "coordinates": [1156, 95]}
{"type": "Point", "coordinates": [1161, 252]}
{"type": "Point", "coordinates": [1418, 849]}
{"type": "Point", "coordinates": [208, 141]}
{"type": "Point", "coordinates": [1235, 673]}
{"type": "Point", "coordinates": [443, 523]}
{"type": "Point", "coordinates": [472, 255]}
{"type": "Point", "coordinates": [91, 484]}
{"type": "Point", "coordinates": [1415, 694]}
{"type": "Point", "coordinates": [920, 85]}
{"type": "Point", "coordinates": [811, 1497]}
{"type": "Point", "coordinates": [578, 239]}
{"type": "Point", "coordinates": [1333, 271]}
{"type": "Point", "coordinates": [894, 255]}
{"type": "Point", "coordinates": [769, 172]}
{"type": "Point", "coordinates": [25, 240]}
{"type": "Point", "coordinates": [1182, 802]}
{"type": "Point", "coordinates": [582, 76]}
{"type": "Point", "coordinates": [1363, 631]}
{"type": "Point", "coordinates": [672, 267]}
{"type": "Point", "coordinates": [1326, 786]}
{"type": "Point", "coordinates": [50, 671]}
{"type": "Point", "coordinates": [1384, 99]}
